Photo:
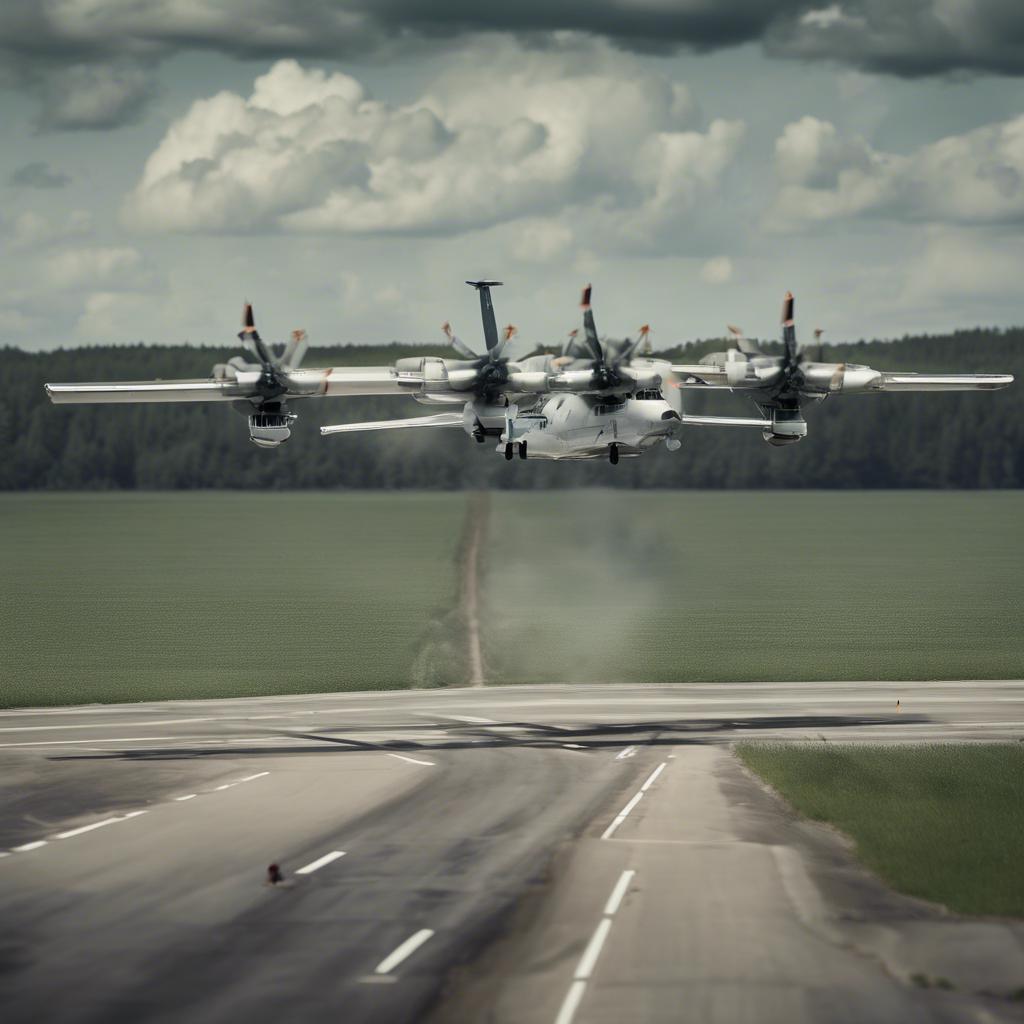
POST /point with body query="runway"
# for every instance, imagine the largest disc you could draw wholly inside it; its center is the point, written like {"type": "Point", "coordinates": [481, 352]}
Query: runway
{"type": "Point", "coordinates": [538, 854]}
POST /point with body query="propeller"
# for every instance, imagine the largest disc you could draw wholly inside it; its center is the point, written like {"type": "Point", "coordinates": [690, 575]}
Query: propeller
{"type": "Point", "coordinates": [604, 375]}
{"type": "Point", "coordinates": [274, 366]}
{"type": "Point", "coordinates": [492, 368]}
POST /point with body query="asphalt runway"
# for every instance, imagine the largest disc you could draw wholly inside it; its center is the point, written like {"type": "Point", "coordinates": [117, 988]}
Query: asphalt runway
{"type": "Point", "coordinates": [545, 854]}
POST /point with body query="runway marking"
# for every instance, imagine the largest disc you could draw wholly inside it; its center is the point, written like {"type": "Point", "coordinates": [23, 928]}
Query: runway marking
{"type": "Point", "coordinates": [26, 847]}
{"type": "Point", "coordinates": [628, 752]}
{"type": "Point", "coordinates": [470, 719]}
{"type": "Point", "coordinates": [651, 778]}
{"type": "Point", "coordinates": [411, 760]}
{"type": "Point", "coordinates": [258, 775]}
{"type": "Point", "coordinates": [624, 813]}
{"type": "Point", "coordinates": [320, 862]}
{"type": "Point", "coordinates": [106, 725]}
{"type": "Point", "coordinates": [403, 952]}
{"type": "Point", "coordinates": [585, 968]}
{"type": "Point", "coordinates": [187, 796]}
{"type": "Point", "coordinates": [226, 785]}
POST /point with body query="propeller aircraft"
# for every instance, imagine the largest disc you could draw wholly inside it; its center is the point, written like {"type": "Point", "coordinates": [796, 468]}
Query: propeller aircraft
{"type": "Point", "coordinates": [600, 398]}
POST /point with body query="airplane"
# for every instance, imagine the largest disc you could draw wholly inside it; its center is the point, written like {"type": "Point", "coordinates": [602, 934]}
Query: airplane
{"type": "Point", "coordinates": [598, 399]}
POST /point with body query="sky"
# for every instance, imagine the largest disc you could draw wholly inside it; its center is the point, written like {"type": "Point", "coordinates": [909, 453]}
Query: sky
{"type": "Point", "coordinates": [347, 164]}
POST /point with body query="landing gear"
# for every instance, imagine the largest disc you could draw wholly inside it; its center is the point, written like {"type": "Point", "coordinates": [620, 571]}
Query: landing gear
{"type": "Point", "coordinates": [613, 454]}
{"type": "Point", "coordinates": [478, 436]}
{"type": "Point", "coordinates": [508, 452]}
{"type": "Point", "coordinates": [522, 449]}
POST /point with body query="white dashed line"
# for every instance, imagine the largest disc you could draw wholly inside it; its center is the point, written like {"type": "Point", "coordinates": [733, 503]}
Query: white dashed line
{"type": "Point", "coordinates": [585, 968]}
{"type": "Point", "coordinates": [320, 862]}
{"type": "Point", "coordinates": [26, 847]}
{"type": "Point", "coordinates": [624, 813]}
{"type": "Point", "coordinates": [411, 760]}
{"type": "Point", "coordinates": [226, 785]}
{"type": "Point", "coordinates": [628, 752]}
{"type": "Point", "coordinates": [187, 796]}
{"type": "Point", "coordinates": [403, 952]}
{"type": "Point", "coordinates": [258, 775]}
{"type": "Point", "coordinates": [470, 719]}
{"type": "Point", "coordinates": [87, 828]}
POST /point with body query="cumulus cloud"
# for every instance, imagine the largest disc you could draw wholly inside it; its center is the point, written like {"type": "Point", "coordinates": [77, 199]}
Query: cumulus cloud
{"type": "Point", "coordinates": [94, 96]}
{"type": "Point", "coordinates": [974, 178]}
{"type": "Point", "coordinates": [956, 263]}
{"type": "Point", "coordinates": [311, 151]}
{"type": "Point", "coordinates": [38, 174]}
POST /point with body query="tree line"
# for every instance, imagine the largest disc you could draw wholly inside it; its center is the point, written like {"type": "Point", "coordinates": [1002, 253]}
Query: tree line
{"type": "Point", "coordinates": [956, 440]}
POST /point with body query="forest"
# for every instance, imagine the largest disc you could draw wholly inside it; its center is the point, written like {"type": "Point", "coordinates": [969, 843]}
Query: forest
{"type": "Point", "coordinates": [957, 440]}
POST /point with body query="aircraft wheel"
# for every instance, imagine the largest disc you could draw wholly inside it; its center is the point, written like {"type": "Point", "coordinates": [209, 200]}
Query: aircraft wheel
{"type": "Point", "coordinates": [508, 453]}
{"type": "Point", "coordinates": [478, 436]}
{"type": "Point", "coordinates": [613, 454]}
{"type": "Point", "coordinates": [522, 450]}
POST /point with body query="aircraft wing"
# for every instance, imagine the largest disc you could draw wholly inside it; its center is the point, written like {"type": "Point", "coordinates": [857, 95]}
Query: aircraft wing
{"type": "Point", "coordinates": [203, 390]}
{"type": "Point", "coordinates": [943, 381]}
{"type": "Point", "coordinates": [441, 419]}
{"type": "Point", "coordinates": [311, 383]}
{"type": "Point", "coordinates": [726, 421]}
{"type": "Point", "coordinates": [700, 376]}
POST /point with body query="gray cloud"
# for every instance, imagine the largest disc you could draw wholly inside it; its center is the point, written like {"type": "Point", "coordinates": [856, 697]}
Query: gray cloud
{"type": "Point", "coordinates": [38, 174]}
{"type": "Point", "coordinates": [122, 40]}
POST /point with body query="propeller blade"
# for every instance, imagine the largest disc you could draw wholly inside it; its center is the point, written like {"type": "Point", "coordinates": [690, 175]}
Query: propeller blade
{"type": "Point", "coordinates": [294, 351]}
{"type": "Point", "coordinates": [836, 382]}
{"type": "Point", "coordinates": [589, 328]}
{"type": "Point", "coordinates": [457, 343]}
{"type": "Point", "coordinates": [789, 330]}
{"type": "Point", "coordinates": [251, 336]}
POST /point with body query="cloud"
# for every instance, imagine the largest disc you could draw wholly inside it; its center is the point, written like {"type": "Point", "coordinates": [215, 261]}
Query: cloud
{"type": "Point", "coordinates": [974, 178]}
{"type": "Point", "coordinates": [38, 174]}
{"type": "Point", "coordinates": [532, 135]}
{"type": "Point", "coordinates": [92, 61]}
{"type": "Point", "coordinates": [717, 270]}
{"type": "Point", "coordinates": [956, 263]}
{"type": "Point", "coordinates": [32, 230]}
{"type": "Point", "coordinates": [118, 266]}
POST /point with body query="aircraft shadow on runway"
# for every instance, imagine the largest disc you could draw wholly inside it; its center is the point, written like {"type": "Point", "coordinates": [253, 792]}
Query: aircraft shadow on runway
{"type": "Point", "coordinates": [458, 736]}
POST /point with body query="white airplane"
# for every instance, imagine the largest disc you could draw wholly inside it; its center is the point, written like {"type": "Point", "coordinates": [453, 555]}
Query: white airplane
{"type": "Point", "coordinates": [599, 399]}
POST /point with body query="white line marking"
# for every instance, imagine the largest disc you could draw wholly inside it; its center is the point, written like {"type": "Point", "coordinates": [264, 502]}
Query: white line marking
{"type": "Point", "coordinates": [470, 719]}
{"type": "Point", "coordinates": [320, 862]}
{"type": "Point", "coordinates": [628, 752]}
{"type": "Point", "coordinates": [105, 725]}
{"type": "Point", "coordinates": [87, 828]}
{"type": "Point", "coordinates": [571, 1003]}
{"type": "Point", "coordinates": [131, 814]}
{"type": "Point", "coordinates": [621, 816]}
{"type": "Point", "coordinates": [585, 968]}
{"type": "Point", "coordinates": [586, 965]}
{"type": "Point", "coordinates": [618, 893]}
{"type": "Point", "coordinates": [258, 775]}
{"type": "Point", "coordinates": [25, 847]}
{"type": "Point", "coordinates": [650, 779]}
{"type": "Point", "coordinates": [227, 785]}
{"type": "Point", "coordinates": [411, 760]}
{"type": "Point", "coordinates": [187, 796]}
{"type": "Point", "coordinates": [406, 949]}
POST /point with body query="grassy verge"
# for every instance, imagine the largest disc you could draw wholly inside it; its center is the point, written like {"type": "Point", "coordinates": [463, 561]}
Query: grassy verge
{"type": "Point", "coordinates": [943, 822]}
{"type": "Point", "coordinates": [118, 597]}
{"type": "Point", "coordinates": [663, 587]}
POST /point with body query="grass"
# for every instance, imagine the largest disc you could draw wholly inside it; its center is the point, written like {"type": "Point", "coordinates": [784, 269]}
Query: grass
{"type": "Point", "coordinates": [664, 587]}
{"type": "Point", "coordinates": [123, 597]}
{"type": "Point", "coordinates": [941, 822]}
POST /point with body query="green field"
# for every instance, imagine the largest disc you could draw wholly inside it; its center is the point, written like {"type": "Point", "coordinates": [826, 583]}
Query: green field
{"type": "Point", "coordinates": [944, 823]}
{"type": "Point", "coordinates": [679, 586]}
{"type": "Point", "coordinates": [133, 596]}
{"type": "Point", "coordinates": [119, 597]}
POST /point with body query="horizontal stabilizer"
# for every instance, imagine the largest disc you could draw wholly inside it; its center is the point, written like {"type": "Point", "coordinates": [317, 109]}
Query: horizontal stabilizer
{"type": "Point", "coordinates": [944, 381]}
{"type": "Point", "coordinates": [441, 419]}
{"type": "Point", "coordinates": [725, 421]}
{"type": "Point", "coordinates": [207, 390]}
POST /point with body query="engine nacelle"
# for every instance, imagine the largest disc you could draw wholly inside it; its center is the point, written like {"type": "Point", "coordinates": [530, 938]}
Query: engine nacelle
{"type": "Point", "coordinates": [270, 429]}
{"type": "Point", "coordinates": [788, 427]}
